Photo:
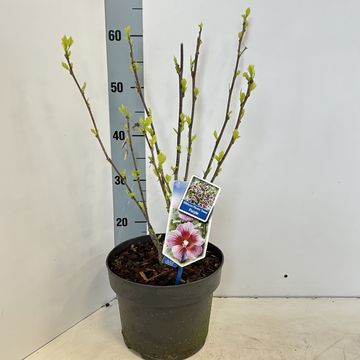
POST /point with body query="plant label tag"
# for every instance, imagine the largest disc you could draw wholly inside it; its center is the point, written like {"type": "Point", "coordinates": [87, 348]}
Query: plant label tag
{"type": "Point", "coordinates": [186, 238]}
{"type": "Point", "coordinates": [199, 198]}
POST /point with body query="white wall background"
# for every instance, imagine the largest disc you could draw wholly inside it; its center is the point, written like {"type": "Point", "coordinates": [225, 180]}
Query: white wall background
{"type": "Point", "coordinates": [55, 187]}
{"type": "Point", "coordinates": [290, 200]}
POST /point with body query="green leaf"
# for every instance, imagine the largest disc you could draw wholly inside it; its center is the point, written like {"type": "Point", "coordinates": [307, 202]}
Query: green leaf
{"type": "Point", "coordinates": [127, 31]}
{"type": "Point", "coordinates": [216, 136]}
{"type": "Point", "coordinates": [228, 115]}
{"type": "Point", "coordinates": [246, 76]}
{"type": "Point", "coordinates": [135, 174]}
{"type": "Point", "coordinates": [153, 140]}
{"type": "Point", "coordinates": [183, 119]}
{"type": "Point", "coordinates": [94, 132]}
{"type": "Point", "coordinates": [196, 92]}
{"type": "Point", "coordinates": [235, 134]}
{"type": "Point", "coordinates": [148, 121]}
{"type": "Point", "coordinates": [167, 178]}
{"type": "Point", "coordinates": [238, 73]}
{"type": "Point", "coordinates": [175, 130]}
{"type": "Point", "coordinates": [161, 158]}
{"type": "Point", "coordinates": [193, 138]}
{"type": "Point", "coordinates": [183, 85]}
{"type": "Point", "coordinates": [132, 195]}
{"type": "Point", "coordinates": [64, 42]}
{"type": "Point", "coordinates": [242, 96]}
{"type": "Point", "coordinates": [124, 110]}
{"type": "Point", "coordinates": [178, 148]}
{"type": "Point", "coordinates": [173, 168]}
{"type": "Point", "coordinates": [252, 86]}
{"type": "Point", "coordinates": [251, 70]}
{"type": "Point", "coordinates": [240, 34]}
{"type": "Point", "coordinates": [219, 156]}
{"type": "Point", "coordinates": [188, 120]}
{"type": "Point", "coordinates": [135, 67]}
{"type": "Point", "coordinates": [177, 67]}
{"type": "Point", "coordinates": [242, 113]}
{"type": "Point", "coordinates": [189, 150]}
{"type": "Point", "coordinates": [123, 173]}
{"type": "Point", "coordinates": [83, 87]}
{"type": "Point", "coordinates": [65, 66]}
{"type": "Point", "coordinates": [247, 12]}
{"type": "Point", "coordinates": [201, 25]}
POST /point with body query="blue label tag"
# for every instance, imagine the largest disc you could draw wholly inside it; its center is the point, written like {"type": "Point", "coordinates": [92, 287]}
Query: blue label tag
{"type": "Point", "coordinates": [167, 261]}
{"type": "Point", "coordinates": [194, 210]}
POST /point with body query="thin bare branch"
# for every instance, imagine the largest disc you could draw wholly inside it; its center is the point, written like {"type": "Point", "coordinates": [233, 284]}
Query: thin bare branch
{"type": "Point", "coordinates": [108, 158]}
{"type": "Point", "coordinates": [243, 100]}
{"type": "Point", "coordinates": [136, 174]}
{"type": "Point", "coordinates": [182, 88]}
{"type": "Point", "coordinates": [134, 68]}
{"type": "Point", "coordinates": [194, 95]}
{"type": "Point", "coordinates": [157, 174]}
{"type": "Point", "coordinates": [236, 73]}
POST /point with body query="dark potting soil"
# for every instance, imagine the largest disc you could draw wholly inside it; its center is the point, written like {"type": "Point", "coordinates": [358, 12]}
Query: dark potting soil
{"type": "Point", "coordinates": [139, 263]}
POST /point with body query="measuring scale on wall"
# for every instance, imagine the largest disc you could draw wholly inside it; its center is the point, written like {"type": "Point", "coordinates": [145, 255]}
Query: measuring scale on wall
{"type": "Point", "coordinates": [128, 220]}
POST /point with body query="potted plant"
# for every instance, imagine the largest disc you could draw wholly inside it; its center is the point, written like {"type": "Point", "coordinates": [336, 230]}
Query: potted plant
{"type": "Point", "coordinates": [162, 320]}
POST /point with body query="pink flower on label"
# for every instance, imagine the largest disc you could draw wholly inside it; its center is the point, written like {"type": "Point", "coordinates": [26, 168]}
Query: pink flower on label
{"type": "Point", "coordinates": [185, 242]}
{"type": "Point", "coordinates": [201, 194]}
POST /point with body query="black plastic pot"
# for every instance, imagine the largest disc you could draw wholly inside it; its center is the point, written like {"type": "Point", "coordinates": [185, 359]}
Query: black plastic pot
{"type": "Point", "coordinates": [164, 322]}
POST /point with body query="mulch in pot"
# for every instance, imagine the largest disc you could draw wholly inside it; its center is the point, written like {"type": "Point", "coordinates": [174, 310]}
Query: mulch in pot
{"type": "Point", "coordinates": [139, 263]}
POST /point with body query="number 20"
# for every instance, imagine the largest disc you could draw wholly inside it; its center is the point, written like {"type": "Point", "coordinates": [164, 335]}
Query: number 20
{"type": "Point", "coordinates": [121, 221]}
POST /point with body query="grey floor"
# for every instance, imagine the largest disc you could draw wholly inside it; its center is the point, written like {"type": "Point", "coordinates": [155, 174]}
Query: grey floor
{"type": "Point", "coordinates": [244, 329]}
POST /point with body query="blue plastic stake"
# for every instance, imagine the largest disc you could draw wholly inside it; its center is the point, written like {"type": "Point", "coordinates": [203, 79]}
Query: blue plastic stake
{"type": "Point", "coordinates": [180, 271]}
{"type": "Point", "coordinates": [179, 275]}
